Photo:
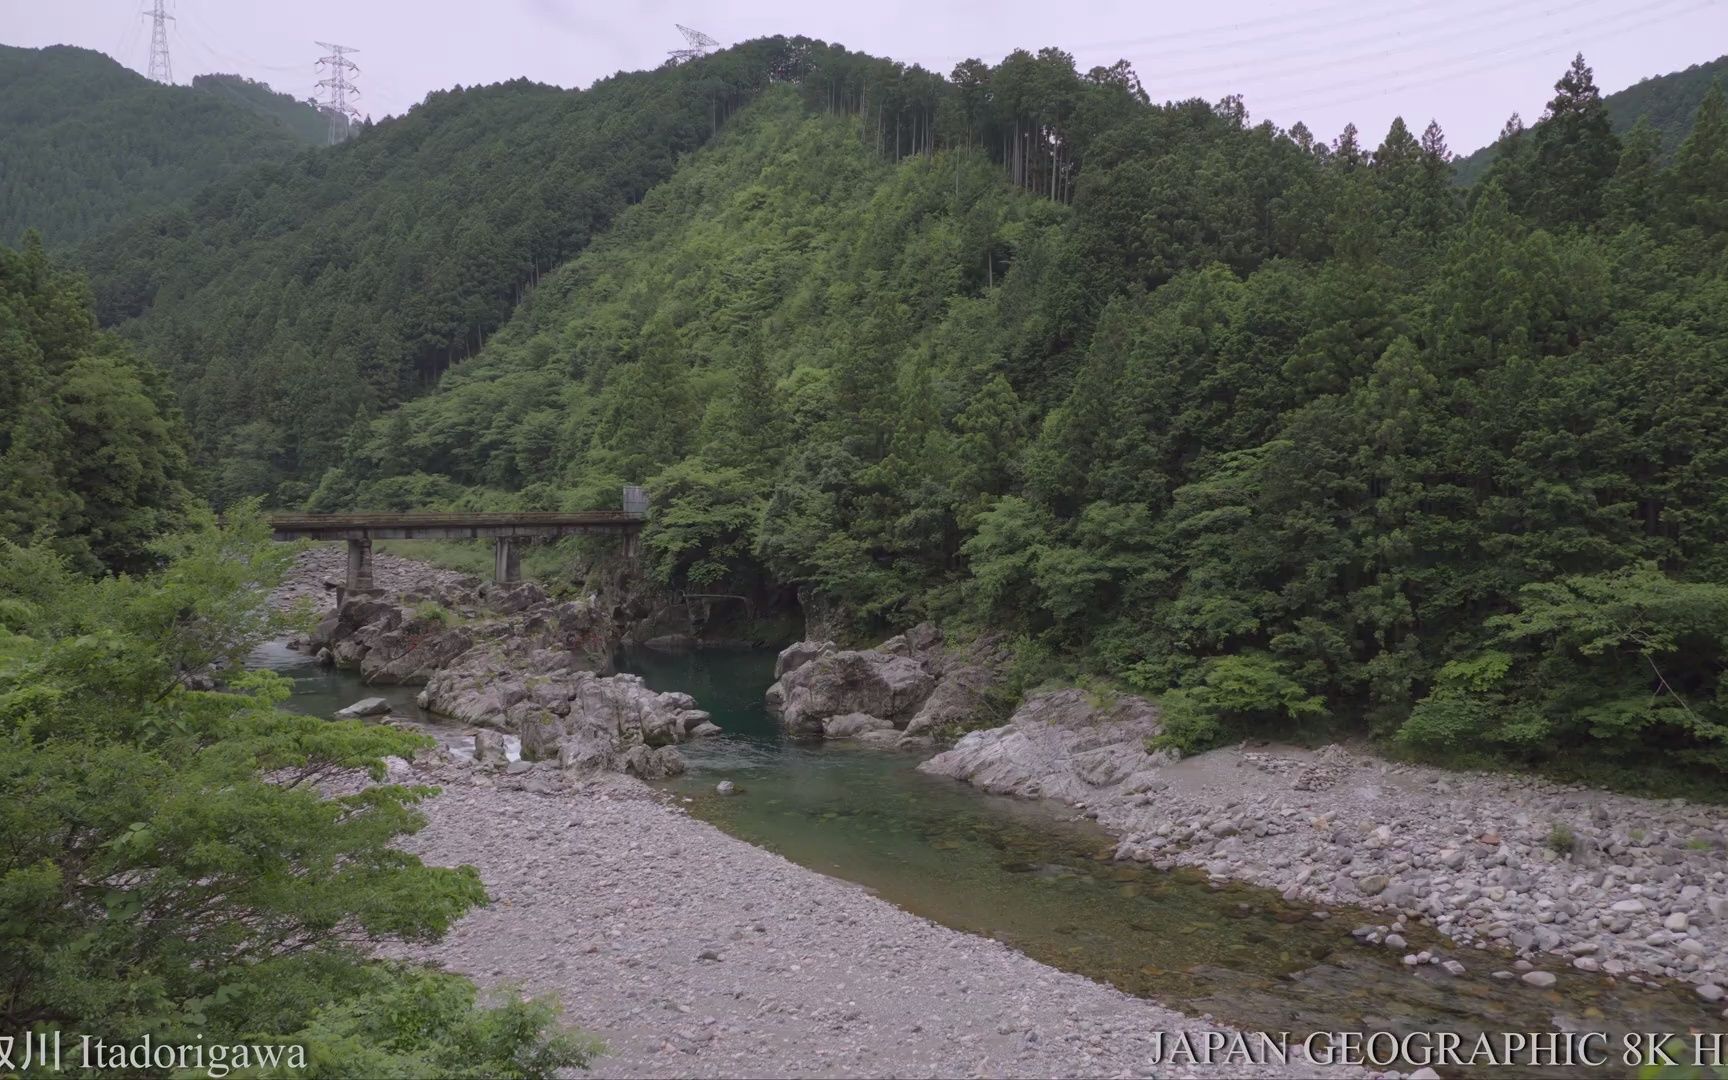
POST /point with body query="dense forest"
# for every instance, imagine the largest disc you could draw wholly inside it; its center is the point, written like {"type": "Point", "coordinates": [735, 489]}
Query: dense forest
{"type": "Point", "coordinates": [309, 121]}
{"type": "Point", "coordinates": [93, 454]}
{"type": "Point", "coordinates": [1293, 434]}
{"type": "Point", "coordinates": [86, 144]}
{"type": "Point", "coordinates": [1284, 431]}
{"type": "Point", "coordinates": [1289, 432]}
{"type": "Point", "coordinates": [285, 300]}
{"type": "Point", "coordinates": [1665, 103]}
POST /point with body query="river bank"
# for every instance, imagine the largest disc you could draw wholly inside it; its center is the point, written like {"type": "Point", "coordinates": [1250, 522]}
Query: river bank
{"type": "Point", "coordinates": [692, 953]}
{"type": "Point", "coordinates": [1517, 867]}
{"type": "Point", "coordinates": [1512, 866]}
{"type": "Point", "coordinates": [1103, 767]}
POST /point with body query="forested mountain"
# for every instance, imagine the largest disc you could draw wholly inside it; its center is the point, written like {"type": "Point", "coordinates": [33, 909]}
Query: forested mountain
{"type": "Point", "coordinates": [309, 123]}
{"type": "Point", "coordinates": [1666, 103]}
{"type": "Point", "coordinates": [86, 143]}
{"type": "Point", "coordinates": [1281, 431]}
{"type": "Point", "coordinates": [287, 301]}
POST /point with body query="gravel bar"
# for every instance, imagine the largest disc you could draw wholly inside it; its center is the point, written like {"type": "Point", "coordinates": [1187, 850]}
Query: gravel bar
{"type": "Point", "coordinates": [692, 953]}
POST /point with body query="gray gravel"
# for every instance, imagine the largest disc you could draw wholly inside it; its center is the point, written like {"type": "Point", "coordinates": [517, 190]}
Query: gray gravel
{"type": "Point", "coordinates": [326, 564]}
{"type": "Point", "coordinates": [695, 954]}
{"type": "Point", "coordinates": [1617, 885]}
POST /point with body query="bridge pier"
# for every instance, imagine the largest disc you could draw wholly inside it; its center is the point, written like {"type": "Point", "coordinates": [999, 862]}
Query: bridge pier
{"type": "Point", "coordinates": [359, 566]}
{"type": "Point", "coordinates": [509, 530]}
{"type": "Point", "coordinates": [506, 560]}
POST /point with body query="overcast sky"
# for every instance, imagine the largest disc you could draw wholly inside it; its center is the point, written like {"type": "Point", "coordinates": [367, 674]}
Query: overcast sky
{"type": "Point", "coordinates": [1466, 63]}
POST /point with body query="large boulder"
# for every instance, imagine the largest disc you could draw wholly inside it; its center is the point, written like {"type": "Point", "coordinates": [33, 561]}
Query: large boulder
{"type": "Point", "coordinates": [490, 748]}
{"type": "Point", "coordinates": [653, 763]}
{"type": "Point", "coordinates": [590, 750]}
{"type": "Point", "coordinates": [852, 681]}
{"type": "Point", "coordinates": [797, 654]}
{"type": "Point", "coordinates": [854, 724]}
{"type": "Point", "coordinates": [371, 706]}
{"type": "Point", "coordinates": [355, 614]}
{"type": "Point", "coordinates": [579, 718]}
{"type": "Point", "coordinates": [413, 653]}
{"type": "Point", "coordinates": [1066, 745]}
{"type": "Point", "coordinates": [515, 596]}
{"type": "Point", "coordinates": [961, 700]}
{"type": "Point", "coordinates": [912, 682]}
{"type": "Point", "coordinates": [923, 642]}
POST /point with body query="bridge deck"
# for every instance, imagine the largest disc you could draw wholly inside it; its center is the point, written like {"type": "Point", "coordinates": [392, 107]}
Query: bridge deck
{"type": "Point", "coordinates": [448, 526]}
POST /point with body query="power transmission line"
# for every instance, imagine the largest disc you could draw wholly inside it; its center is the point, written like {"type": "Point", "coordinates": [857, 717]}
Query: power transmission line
{"type": "Point", "coordinates": [128, 41]}
{"type": "Point", "coordinates": [160, 68]}
{"type": "Point", "coordinates": [343, 115]}
{"type": "Point", "coordinates": [1345, 53]}
{"type": "Point", "coordinates": [696, 44]}
{"type": "Point", "coordinates": [1491, 59]}
{"type": "Point", "coordinates": [202, 34]}
{"type": "Point", "coordinates": [1307, 24]}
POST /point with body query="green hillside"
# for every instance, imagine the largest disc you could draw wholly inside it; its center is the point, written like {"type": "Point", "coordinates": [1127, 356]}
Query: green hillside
{"type": "Point", "coordinates": [1282, 433]}
{"type": "Point", "coordinates": [1285, 432]}
{"type": "Point", "coordinates": [1666, 102]}
{"type": "Point", "coordinates": [787, 259]}
{"type": "Point", "coordinates": [1298, 438]}
{"type": "Point", "coordinates": [304, 119]}
{"type": "Point", "coordinates": [289, 300]}
{"type": "Point", "coordinates": [86, 143]}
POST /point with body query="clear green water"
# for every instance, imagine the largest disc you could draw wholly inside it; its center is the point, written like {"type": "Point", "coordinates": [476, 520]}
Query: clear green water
{"type": "Point", "coordinates": [1033, 877]}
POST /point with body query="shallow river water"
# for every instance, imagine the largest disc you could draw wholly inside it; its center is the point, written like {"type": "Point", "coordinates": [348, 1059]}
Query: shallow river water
{"type": "Point", "coordinates": [1034, 877]}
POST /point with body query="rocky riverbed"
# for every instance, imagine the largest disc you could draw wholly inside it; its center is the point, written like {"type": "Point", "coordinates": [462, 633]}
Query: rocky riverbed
{"type": "Point", "coordinates": [316, 572]}
{"type": "Point", "coordinates": [692, 953]}
{"type": "Point", "coordinates": [1619, 887]}
{"type": "Point", "coordinates": [506, 658]}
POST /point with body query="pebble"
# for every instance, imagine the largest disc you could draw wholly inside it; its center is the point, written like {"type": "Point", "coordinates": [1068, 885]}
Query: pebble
{"type": "Point", "coordinates": [1467, 853]}
{"type": "Point", "coordinates": [821, 977]}
{"type": "Point", "coordinates": [1473, 855]}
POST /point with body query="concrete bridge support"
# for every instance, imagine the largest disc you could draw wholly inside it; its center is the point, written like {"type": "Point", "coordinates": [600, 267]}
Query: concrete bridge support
{"type": "Point", "coordinates": [509, 530]}
{"type": "Point", "coordinates": [359, 566]}
{"type": "Point", "coordinates": [506, 560]}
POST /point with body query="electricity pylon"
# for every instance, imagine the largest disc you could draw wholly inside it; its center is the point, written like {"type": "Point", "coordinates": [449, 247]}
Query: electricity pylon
{"type": "Point", "coordinates": [696, 44]}
{"type": "Point", "coordinates": [343, 115]}
{"type": "Point", "coordinates": [160, 68]}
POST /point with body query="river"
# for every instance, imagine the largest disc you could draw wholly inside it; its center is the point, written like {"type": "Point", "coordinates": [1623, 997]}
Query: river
{"type": "Point", "coordinates": [1034, 877]}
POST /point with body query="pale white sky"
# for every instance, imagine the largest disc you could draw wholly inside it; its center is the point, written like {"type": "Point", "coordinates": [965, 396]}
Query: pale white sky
{"type": "Point", "coordinates": [1467, 63]}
